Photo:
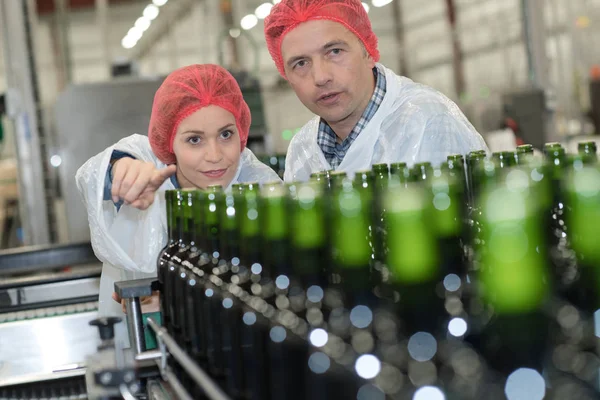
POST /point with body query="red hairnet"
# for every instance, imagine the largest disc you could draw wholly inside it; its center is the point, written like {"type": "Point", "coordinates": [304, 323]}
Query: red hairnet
{"type": "Point", "coordinates": [187, 90]}
{"type": "Point", "coordinates": [288, 14]}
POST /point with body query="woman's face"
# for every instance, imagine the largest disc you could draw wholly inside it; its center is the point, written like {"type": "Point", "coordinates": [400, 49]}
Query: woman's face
{"type": "Point", "coordinates": [207, 147]}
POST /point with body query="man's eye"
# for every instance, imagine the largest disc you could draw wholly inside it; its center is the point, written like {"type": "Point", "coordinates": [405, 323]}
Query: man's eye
{"type": "Point", "coordinates": [335, 52]}
{"type": "Point", "coordinates": [300, 64]}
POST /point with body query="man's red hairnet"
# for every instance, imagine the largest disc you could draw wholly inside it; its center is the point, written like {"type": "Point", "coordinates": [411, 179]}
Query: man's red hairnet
{"type": "Point", "coordinates": [288, 14]}
{"type": "Point", "coordinates": [187, 90]}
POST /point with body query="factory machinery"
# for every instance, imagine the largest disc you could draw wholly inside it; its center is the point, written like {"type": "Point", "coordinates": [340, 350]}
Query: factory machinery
{"type": "Point", "coordinates": [473, 280]}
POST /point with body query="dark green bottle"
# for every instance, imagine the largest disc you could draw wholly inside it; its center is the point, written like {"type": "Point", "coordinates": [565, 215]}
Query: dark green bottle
{"type": "Point", "coordinates": [351, 249]}
{"type": "Point", "coordinates": [514, 277]}
{"type": "Point", "coordinates": [413, 259]}
{"type": "Point", "coordinates": [556, 160]}
{"type": "Point", "coordinates": [195, 217]}
{"type": "Point", "coordinates": [249, 233]}
{"type": "Point", "coordinates": [474, 165]}
{"type": "Point", "coordinates": [422, 172]}
{"type": "Point", "coordinates": [447, 197]}
{"type": "Point", "coordinates": [309, 239]}
{"type": "Point", "coordinates": [505, 159]}
{"type": "Point", "coordinates": [380, 185]}
{"type": "Point", "coordinates": [524, 154]}
{"type": "Point", "coordinates": [322, 177]}
{"type": "Point", "coordinates": [174, 236]}
{"type": "Point", "coordinates": [211, 214]}
{"type": "Point", "coordinates": [583, 194]}
{"type": "Point", "coordinates": [400, 174]}
{"type": "Point", "coordinates": [551, 147]}
{"type": "Point", "coordinates": [455, 166]}
{"type": "Point", "coordinates": [183, 223]}
{"type": "Point", "coordinates": [588, 149]}
{"type": "Point", "coordinates": [274, 226]}
{"type": "Point", "coordinates": [337, 177]}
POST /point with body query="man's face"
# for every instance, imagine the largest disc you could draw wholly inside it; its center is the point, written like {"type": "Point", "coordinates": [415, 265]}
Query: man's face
{"type": "Point", "coordinates": [329, 69]}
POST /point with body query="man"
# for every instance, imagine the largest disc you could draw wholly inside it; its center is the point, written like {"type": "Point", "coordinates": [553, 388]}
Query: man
{"type": "Point", "coordinates": [365, 113]}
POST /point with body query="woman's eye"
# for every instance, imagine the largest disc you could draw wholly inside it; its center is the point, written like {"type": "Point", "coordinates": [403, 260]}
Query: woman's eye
{"type": "Point", "coordinates": [194, 140]}
{"type": "Point", "coordinates": [226, 134]}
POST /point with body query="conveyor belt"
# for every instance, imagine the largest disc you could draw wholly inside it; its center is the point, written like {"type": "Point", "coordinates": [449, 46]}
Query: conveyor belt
{"type": "Point", "coordinates": [72, 388]}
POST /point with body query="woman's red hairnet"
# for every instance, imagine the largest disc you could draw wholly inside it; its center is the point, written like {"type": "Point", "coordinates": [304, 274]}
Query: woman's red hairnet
{"type": "Point", "coordinates": [288, 14]}
{"type": "Point", "coordinates": [187, 90]}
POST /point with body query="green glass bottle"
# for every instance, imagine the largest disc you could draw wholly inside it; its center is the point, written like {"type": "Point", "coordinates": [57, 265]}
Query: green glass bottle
{"type": "Point", "coordinates": [513, 276]}
{"type": "Point", "coordinates": [400, 174]}
{"type": "Point", "coordinates": [351, 249]}
{"type": "Point", "coordinates": [185, 200]}
{"type": "Point", "coordinates": [274, 226]}
{"type": "Point", "coordinates": [447, 197]}
{"type": "Point", "coordinates": [337, 177]}
{"type": "Point", "coordinates": [475, 161]}
{"type": "Point", "coordinates": [381, 181]}
{"type": "Point", "coordinates": [195, 229]}
{"type": "Point", "coordinates": [323, 177]}
{"type": "Point", "coordinates": [551, 147]}
{"type": "Point", "coordinates": [249, 233]}
{"type": "Point", "coordinates": [309, 237]}
{"type": "Point", "coordinates": [524, 154]}
{"type": "Point", "coordinates": [422, 172]}
{"type": "Point", "coordinates": [583, 194]}
{"type": "Point", "coordinates": [175, 236]}
{"type": "Point", "coordinates": [212, 227]}
{"type": "Point", "coordinates": [505, 159]}
{"type": "Point", "coordinates": [455, 166]}
{"type": "Point", "coordinates": [413, 258]}
{"type": "Point", "coordinates": [556, 160]}
{"type": "Point", "coordinates": [588, 149]}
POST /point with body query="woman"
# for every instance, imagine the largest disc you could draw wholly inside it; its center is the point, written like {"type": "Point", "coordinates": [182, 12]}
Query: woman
{"type": "Point", "coordinates": [197, 137]}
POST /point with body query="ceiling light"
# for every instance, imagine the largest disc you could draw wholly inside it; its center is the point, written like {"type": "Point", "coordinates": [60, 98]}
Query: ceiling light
{"type": "Point", "coordinates": [142, 23]}
{"type": "Point", "coordinates": [128, 42]}
{"type": "Point", "coordinates": [234, 33]}
{"type": "Point", "coordinates": [366, 6]}
{"type": "Point", "coordinates": [380, 3]}
{"type": "Point", "coordinates": [151, 11]}
{"type": "Point", "coordinates": [263, 10]}
{"type": "Point", "coordinates": [248, 22]}
{"type": "Point", "coordinates": [159, 2]}
{"type": "Point", "coordinates": [135, 33]}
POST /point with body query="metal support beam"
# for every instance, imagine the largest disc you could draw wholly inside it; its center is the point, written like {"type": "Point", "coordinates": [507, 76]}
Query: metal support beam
{"type": "Point", "coordinates": [399, 33]}
{"type": "Point", "coordinates": [24, 111]}
{"type": "Point", "coordinates": [62, 26]}
{"type": "Point", "coordinates": [535, 38]}
{"type": "Point", "coordinates": [226, 8]}
{"type": "Point", "coordinates": [457, 54]}
{"type": "Point", "coordinates": [102, 22]}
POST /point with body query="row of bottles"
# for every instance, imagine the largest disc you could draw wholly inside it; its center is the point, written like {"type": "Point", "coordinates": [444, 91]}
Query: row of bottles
{"type": "Point", "coordinates": [473, 279]}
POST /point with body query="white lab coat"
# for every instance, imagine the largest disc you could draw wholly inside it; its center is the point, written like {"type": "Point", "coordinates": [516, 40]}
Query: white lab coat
{"type": "Point", "coordinates": [129, 241]}
{"type": "Point", "coordinates": [414, 123]}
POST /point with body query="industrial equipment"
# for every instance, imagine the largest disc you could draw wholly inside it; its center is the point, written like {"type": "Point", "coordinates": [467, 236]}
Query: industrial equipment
{"type": "Point", "coordinates": [48, 295]}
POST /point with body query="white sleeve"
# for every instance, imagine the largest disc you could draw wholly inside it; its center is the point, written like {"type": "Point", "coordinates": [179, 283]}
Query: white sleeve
{"type": "Point", "coordinates": [130, 238]}
{"type": "Point", "coordinates": [253, 170]}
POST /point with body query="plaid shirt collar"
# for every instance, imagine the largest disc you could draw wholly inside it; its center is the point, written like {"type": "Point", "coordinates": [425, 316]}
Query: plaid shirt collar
{"type": "Point", "coordinates": [333, 151]}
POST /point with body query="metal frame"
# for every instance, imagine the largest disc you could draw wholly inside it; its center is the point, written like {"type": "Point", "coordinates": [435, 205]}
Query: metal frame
{"type": "Point", "coordinates": [39, 258]}
{"type": "Point", "coordinates": [166, 342]}
{"type": "Point", "coordinates": [23, 109]}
